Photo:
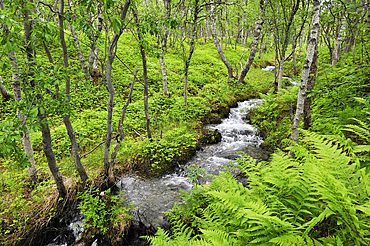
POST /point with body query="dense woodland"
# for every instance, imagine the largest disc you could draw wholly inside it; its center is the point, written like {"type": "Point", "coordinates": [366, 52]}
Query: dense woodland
{"type": "Point", "coordinates": [92, 90]}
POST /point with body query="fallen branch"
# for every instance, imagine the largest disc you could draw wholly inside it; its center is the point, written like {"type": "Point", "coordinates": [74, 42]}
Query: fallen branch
{"type": "Point", "coordinates": [96, 147]}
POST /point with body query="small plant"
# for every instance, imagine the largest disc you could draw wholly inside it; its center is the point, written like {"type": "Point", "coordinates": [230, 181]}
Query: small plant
{"type": "Point", "coordinates": [101, 210]}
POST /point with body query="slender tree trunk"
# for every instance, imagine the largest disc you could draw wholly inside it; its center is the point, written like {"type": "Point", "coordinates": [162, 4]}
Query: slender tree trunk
{"type": "Point", "coordinates": [217, 44]}
{"type": "Point", "coordinates": [338, 43]}
{"type": "Point", "coordinates": [145, 76]}
{"type": "Point", "coordinates": [66, 119]}
{"type": "Point", "coordinates": [307, 120]}
{"type": "Point", "coordinates": [167, 6]}
{"type": "Point", "coordinates": [206, 32]}
{"type": "Point", "coordinates": [81, 57]}
{"type": "Point", "coordinates": [45, 130]}
{"type": "Point", "coordinates": [300, 45]}
{"type": "Point", "coordinates": [187, 62]}
{"type": "Point", "coordinates": [120, 123]}
{"type": "Point", "coordinates": [306, 69]}
{"type": "Point", "coordinates": [226, 30]}
{"type": "Point", "coordinates": [261, 46]}
{"type": "Point", "coordinates": [111, 55]}
{"type": "Point", "coordinates": [254, 48]}
{"type": "Point", "coordinates": [4, 91]}
{"type": "Point", "coordinates": [244, 44]}
{"type": "Point", "coordinates": [293, 54]}
{"type": "Point", "coordinates": [285, 43]}
{"type": "Point", "coordinates": [94, 49]}
{"type": "Point", "coordinates": [26, 139]}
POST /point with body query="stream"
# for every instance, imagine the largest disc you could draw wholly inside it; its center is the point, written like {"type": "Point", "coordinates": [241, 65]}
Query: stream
{"type": "Point", "coordinates": [153, 196]}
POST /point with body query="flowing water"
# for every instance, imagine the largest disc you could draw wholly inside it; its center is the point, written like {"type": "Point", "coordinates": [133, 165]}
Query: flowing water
{"type": "Point", "coordinates": [153, 196]}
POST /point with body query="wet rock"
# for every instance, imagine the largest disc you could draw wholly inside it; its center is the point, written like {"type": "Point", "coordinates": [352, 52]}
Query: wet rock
{"type": "Point", "coordinates": [256, 153]}
{"type": "Point", "coordinates": [210, 137]}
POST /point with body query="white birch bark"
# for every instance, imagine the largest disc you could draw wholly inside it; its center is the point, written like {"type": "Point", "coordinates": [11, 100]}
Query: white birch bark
{"type": "Point", "coordinates": [254, 48]}
{"type": "Point", "coordinates": [111, 55]}
{"type": "Point", "coordinates": [164, 49]}
{"type": "Point", "coordinates": [216, 43]}
{"type": "Point", "coordinates": [3, 90]}
{"type": "Point", "coordinates": [26, 139]}
{"type": "Point", "coordinates": [306, 69]}
{"type": "Point", "coordinates": [338, 43]}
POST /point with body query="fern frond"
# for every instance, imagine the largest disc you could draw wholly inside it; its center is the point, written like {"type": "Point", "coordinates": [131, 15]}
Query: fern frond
{"type": "Point", "coordinates": [218, 238]}
{"type": "Point", "coordinates": [288, 239]}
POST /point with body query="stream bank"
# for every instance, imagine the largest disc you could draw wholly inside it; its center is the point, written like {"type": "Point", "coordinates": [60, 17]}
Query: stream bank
{"type": "Point", "coordinates": [154, 195]}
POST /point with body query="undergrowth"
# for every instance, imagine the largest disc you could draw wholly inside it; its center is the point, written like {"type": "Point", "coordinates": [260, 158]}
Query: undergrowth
{"type": "Point", "coordinates": [320, 197]}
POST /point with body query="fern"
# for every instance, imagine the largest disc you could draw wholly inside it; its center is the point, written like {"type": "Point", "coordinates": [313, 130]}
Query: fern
{"type": "Point", "coordinates": [321, 197]}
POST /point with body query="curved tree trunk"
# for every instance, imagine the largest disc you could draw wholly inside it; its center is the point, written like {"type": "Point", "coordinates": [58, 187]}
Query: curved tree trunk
{"type": "Point", "coordinates": [285, 43]}
{"type": "Point", "coordinates": [66, 119]}
{"type": "Point", "coordinates": [315, 27]}
{"type": "Point", "coordinates": [45, 130]}
{"type": "Point", "coordinates": [216, 43]}
{"type": "Point", "coordinates": [254, 48]}
{"type": "Point", "coordinates": [111, 55]}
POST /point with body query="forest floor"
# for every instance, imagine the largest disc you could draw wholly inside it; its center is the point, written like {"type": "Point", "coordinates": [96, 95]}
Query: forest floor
{"type": "Point", "coordinates": [27, 209]}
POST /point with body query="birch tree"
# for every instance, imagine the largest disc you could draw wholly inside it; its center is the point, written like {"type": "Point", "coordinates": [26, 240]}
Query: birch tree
{"type": "Point", "coordinates": [41, 114]}
{"type": "Point", "coordinates": [216, 42]}
{"type": "Point", "coordinates": [315, 28]}
{"type": "Point", "coordinates": [254, 48]}
{"type": "Point", "coordinates": [66, 119]}
{"type": "Point", "coordinates": [112, 49]}
{"type": "Point", "coordinates": [338, 43]}
{"type": "Point", "coordinates": [26, 139]}
{"type": "Point", "coordinates": [191, 50]}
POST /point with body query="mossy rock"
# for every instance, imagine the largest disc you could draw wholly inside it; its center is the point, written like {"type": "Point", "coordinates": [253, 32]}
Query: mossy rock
{"type": "Point", "coordinates": [210, 137]}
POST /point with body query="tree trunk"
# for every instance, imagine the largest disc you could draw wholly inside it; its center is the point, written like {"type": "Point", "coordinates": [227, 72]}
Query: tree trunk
{"type": "Point", "coordinates": [45, 130]}
{"type": "Point", "coordinates": [217, 44]}
{"type": "Point", "coordinates": [300, 45]}
{"type": "Point", "coordinates": [306, 69]}
{"type": "Point", "coordinates": [111, 55]}
{"type": "Point", "coordinates": [254, 48]}
{"type": "Point", "coordinates": [26, 139]}
{"type": "Point", "coordinates": [285, 43]}
{"type": "Point", "coordinates": [81, 57]}
{"type": "Point", "coordinates": [66, 119]}
{"type": "Point", "coordinates": [120, 136]}
{"type": "Point", "coordinates": [187, 62]}
{"type": "Point", "coordinates": [338, 43]}
{"type": "Point", "coordinates": [206, 32]}
{"type": "Point", "coordinates": [47, 147]}
{"type": "Point", "coordinates": [4, 91]}
{"type": "Point", "coordinates": [293, 54]}
{"type": "Point", "coordinates": [307, 120]}
{"type": "Point", "coordinates": [226, 30]}
{"type": "Point", "coordinates": [94, 49]}
{"type": "Point", "coordinates": [167, 6]}
{"type": "Point", "coordinates": [261, 46]}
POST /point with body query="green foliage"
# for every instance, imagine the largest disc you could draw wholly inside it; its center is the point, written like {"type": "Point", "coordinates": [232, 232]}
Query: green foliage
{"type": "Point", "coordinates": [9, 148]}
{"type": "Point", "coordinates": [321, 197]}
{"type": "Point", "coordinates": [333, 95]}
{"type": "Point", "coordinates": [101, 210]}
{"type": "Point", "coordinates": [272, 117]}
